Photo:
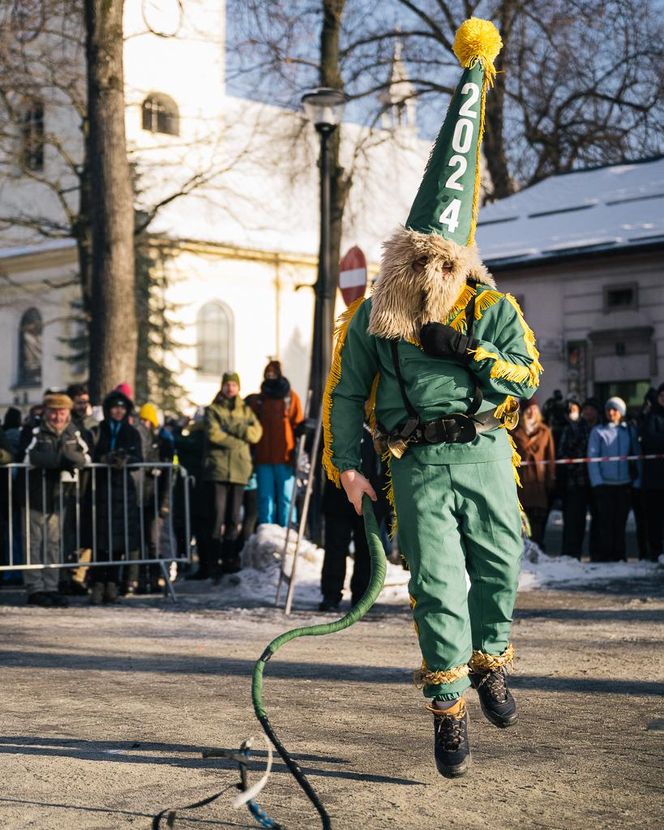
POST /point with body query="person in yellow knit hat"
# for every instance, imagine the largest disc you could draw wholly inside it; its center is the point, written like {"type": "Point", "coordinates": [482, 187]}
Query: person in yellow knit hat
{"type": "Point", "coordinates": [443, 357]}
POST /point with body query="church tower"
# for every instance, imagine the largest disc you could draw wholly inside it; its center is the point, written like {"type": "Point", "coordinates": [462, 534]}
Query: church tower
{"type": "Point", "coordinates": [398, 98]}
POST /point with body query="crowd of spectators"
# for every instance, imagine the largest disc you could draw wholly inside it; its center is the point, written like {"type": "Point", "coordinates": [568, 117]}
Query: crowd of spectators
{"type": "Point", "coordinates": [239, 455]}
{"type": "Point", "coordinates": [570, 430]}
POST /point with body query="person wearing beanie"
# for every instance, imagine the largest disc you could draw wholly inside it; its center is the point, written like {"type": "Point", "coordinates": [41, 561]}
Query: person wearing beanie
{"type": "Point", "coordinates": [149, 415]}
{"type": "Point", "coordinates": [56, 450]}
{"type": "Point", "coordinates": [154, 495]}
{"type": "Point", "coordinates": [118, 529]}
{"type": "Point", "coordinates": [231, 428]}
{"type": "Point", "coordinates": [612, 481]}
{"type": "Point", "coordinates": [279, 409]}
{"type": "Point", "coordinates": [534, 443]}
{"type": "Point", "coordinates": [652, 442]}
{"type": "Point", "coordinates": [442, 356]}
{"type": "Point", "coordinates": [126, 389]}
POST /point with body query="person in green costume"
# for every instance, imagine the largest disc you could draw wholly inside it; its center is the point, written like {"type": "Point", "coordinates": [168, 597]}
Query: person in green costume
{"type": "Point", "coordinates": [443, 357]}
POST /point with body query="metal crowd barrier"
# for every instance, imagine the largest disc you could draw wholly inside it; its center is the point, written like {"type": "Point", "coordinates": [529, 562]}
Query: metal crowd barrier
{"type": "Point", "coordinates": [82, 496]}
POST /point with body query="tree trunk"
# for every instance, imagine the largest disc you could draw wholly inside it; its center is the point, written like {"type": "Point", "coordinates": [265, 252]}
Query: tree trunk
{"type": "Point", "coordinates": [494, 140]}
{"type": "Point", "coordinates": [113, 333]}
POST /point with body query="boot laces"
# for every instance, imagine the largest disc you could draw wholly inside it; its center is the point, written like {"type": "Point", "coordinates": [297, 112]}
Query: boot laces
{"type": "Point", "coordinates": [496, 684]}
{"type": "Point", "coordinates": [449, 731]}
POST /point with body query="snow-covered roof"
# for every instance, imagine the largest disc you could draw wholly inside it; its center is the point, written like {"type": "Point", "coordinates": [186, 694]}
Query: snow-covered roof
{"type": "Point", "coordinates": [37, 248]}
{"type": "Point", "coordinates": [600, 209]}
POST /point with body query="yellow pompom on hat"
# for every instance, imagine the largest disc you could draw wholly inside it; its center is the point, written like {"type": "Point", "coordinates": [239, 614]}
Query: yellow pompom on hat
{"type": "Point", "coordinates": [477, 40]}
{"type": "Point", "coordinates": [148, 412]}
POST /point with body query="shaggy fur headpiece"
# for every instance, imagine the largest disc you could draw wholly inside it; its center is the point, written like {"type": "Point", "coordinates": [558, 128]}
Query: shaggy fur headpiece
{"type": "Point", "coordinates": [403, 301]}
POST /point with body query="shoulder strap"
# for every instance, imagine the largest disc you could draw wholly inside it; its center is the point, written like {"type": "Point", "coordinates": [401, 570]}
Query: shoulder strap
{"type": "Point", "coordinates": [478, 397]}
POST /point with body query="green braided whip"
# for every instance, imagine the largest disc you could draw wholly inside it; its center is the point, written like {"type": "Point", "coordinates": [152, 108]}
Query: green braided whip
{"type": "Point", "coordinates": [378, 569]}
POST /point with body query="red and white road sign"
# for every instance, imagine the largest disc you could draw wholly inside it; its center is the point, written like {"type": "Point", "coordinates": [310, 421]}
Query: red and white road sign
{"type": "Point", "coordinates": [353, 275]}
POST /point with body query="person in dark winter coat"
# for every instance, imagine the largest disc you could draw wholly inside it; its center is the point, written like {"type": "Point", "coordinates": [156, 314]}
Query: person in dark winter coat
{"type": "Point", "coordinates": [612, 481]}
{"type": "Point", "coordinates": [279, 410]}
{"type": "Point", "coordinates": [652, 442]}
{"type": "Point", "coordinates": [56, 451]}
{"type": "Point", "coordinates": [554, 414]}
{"type": "Point", "coordinates": [230, 428]}
{"type": "Point", "coordinates": [190, 447]}
{"type": "Point", "coordinates": [343, 524]}
{"type": "Point", "coordinates": [12, 424]}
{"type": "Point", "coordinates": [574, 481]}
{"type": "Point", "coordinates": [118, 533]}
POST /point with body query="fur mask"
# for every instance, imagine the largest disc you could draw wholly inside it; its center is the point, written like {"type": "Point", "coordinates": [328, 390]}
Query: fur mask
{"type": "Point", "coordinates": [403, 301]}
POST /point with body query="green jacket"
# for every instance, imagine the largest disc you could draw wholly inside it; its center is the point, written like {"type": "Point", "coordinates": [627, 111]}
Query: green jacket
{"type": "Point", "coordinates": [505, 365]}
{"type": "Point", "coordinates": [230, 427]}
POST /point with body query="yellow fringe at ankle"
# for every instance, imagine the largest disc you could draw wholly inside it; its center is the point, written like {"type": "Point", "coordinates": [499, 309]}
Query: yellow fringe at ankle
{"type": "Point", "coordinates": [424, 677]}
{"type": "Point", "coordinates": [333, 379]}
{"type": "Point", "coordinates": [481, 661]}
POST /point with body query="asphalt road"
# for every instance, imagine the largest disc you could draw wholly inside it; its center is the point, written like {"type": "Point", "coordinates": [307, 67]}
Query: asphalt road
{"type": "Point", "coordinates": [105, 712]}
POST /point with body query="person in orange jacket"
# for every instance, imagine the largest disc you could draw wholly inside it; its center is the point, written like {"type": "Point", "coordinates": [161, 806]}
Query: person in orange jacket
{"type": "Point", "coordinates": [279, 410]}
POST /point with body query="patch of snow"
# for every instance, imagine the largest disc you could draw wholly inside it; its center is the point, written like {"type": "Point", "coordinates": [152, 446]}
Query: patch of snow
{"type": "Point", "coordinates": [539, 570]}
{"type": "Point", "coordinates": [256, 583]}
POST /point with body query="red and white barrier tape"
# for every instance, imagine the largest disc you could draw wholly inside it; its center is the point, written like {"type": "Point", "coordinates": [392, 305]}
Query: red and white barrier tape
{"type": "Point", "coordinates": [651, 457]}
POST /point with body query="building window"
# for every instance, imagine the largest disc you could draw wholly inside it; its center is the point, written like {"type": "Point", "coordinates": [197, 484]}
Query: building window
{"type": "Point", "coordinates": [621, 297]}
{"type": "Point", "coordinates": [160, 115]}
{"type": "Point", "coordinates": [32, 137]}
{"type": "Point", "coordinates": [215, 338]}
{"type": "Point", "coordinates": [30, 349]}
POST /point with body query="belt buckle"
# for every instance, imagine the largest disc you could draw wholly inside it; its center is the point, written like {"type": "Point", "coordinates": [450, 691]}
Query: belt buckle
{"type": "Point", "coordinates": [467, 428]}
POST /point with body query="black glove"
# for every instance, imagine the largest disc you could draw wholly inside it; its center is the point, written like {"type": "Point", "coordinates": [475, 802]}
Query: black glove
{"type": "Point", "coordinates": [439, 340]}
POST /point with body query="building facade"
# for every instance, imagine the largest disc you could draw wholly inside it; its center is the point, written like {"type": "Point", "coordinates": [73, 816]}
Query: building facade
{"type": "Point", "coordinates": [584, 254]}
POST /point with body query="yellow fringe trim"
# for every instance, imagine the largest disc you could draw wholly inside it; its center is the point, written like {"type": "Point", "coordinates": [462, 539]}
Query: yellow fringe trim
{"type": "Point", "coordinates": [466, 295]}
{"type": "Point", "coordinates": [481, 353]}
{"type": "Point", "coordinates": [333, 379]}
{"type": "Point", "coordinates": [516, 461]}
{"type": "Point", "coordinates": [486, 82]}
{"type": "Point", "coordinates": [424, 677]}
{"type": "Point", "coordinates": [389, 490]}
{"type": "Point", "coordinates": [413, 603]}
{"type": "Point", "coordinates": [535, 368]}
{"type": "Point", "coordinates": [481, 661]}
{"type": "Point", "coordinates": [485, 300]}
{"type": "Point", "coordinates": [515, 372]}
{"type": "Point", "coordinates": [370, 406]}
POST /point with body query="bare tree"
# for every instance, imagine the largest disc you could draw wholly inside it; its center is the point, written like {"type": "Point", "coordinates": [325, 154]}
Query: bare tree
{"type": "Point", "coordinates": [579, 81]}
{"type": "Point", "coordinates": [45, 153]}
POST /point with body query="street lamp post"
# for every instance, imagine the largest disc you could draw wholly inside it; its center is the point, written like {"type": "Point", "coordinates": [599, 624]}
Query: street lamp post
{"type": "Point", "coordinates": [324, 108]}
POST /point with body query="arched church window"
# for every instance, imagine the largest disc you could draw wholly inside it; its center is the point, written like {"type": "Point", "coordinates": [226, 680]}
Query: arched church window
{"type": "Point", "coordinates": [215, 338]}
{"type": "Point", "coordinates": [32, 136]}
{"type": "Point", "coordinates": [160, 114]}
{"type": "Point", "coordinates": [30, 348]}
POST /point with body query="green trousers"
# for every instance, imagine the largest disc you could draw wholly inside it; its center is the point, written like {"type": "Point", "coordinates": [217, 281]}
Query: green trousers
{"type": "Point", "coordinates": [456, 519]}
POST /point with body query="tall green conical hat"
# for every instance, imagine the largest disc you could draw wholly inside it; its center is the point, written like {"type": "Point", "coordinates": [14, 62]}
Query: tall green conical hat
{"type": "Point", "coordinates": [448, 199]}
